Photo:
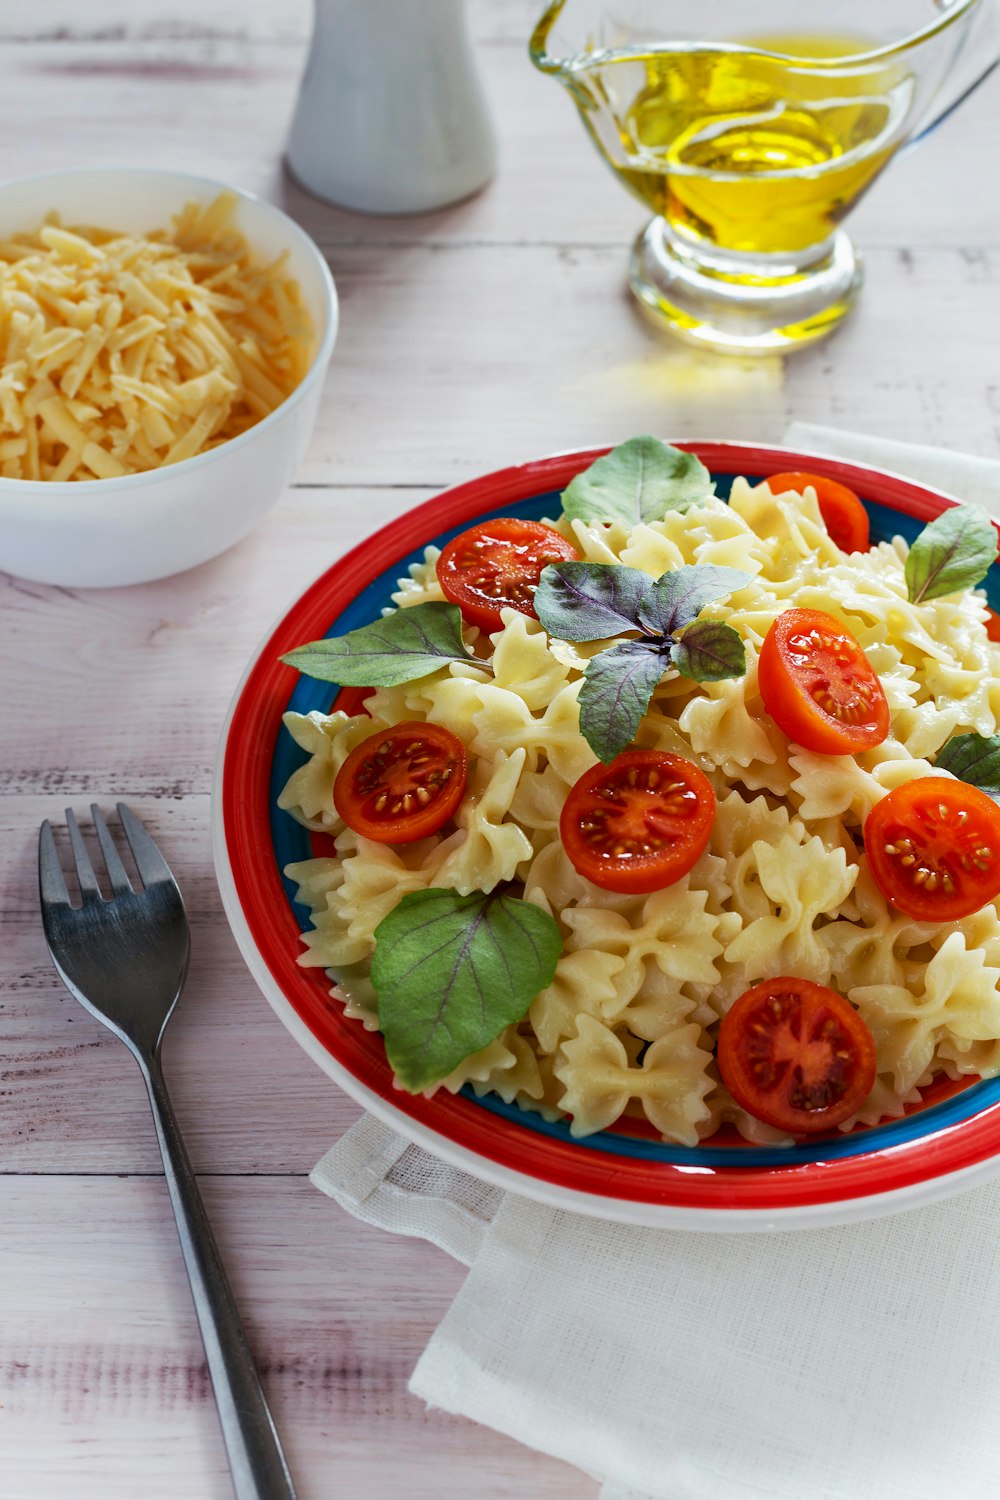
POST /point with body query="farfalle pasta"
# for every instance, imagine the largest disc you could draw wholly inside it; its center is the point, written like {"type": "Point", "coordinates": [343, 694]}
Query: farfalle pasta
{"type": "Point", "coordinates": [628, 1024]}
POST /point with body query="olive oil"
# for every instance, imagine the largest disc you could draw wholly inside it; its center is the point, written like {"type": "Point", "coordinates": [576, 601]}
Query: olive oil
{"type": "Point", "coordinates": [738, 147]}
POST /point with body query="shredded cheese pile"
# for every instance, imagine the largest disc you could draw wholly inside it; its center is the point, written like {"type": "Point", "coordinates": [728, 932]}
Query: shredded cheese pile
{"type": "Point", "coordinates": [121, 353]}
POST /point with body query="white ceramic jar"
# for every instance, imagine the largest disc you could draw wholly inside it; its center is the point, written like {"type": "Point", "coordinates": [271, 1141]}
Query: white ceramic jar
{"type": "Point", "coordinates": [391, 117]}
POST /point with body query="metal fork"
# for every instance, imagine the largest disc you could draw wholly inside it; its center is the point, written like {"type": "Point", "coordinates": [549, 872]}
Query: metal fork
{"type": "Point", "coordinates": [125, 959]}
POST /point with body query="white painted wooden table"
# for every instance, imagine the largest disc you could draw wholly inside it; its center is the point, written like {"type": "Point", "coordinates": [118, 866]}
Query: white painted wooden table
{"type": "Point", "coordinates": [494, 332]}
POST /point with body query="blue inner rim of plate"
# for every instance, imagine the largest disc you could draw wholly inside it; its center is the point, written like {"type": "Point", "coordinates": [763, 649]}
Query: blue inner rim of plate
{"type": "Point", "coordinates": [291, 844]}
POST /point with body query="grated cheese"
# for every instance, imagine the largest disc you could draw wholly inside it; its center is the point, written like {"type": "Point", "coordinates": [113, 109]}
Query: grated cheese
{"type": "Point", "coordinates": [120, 353]}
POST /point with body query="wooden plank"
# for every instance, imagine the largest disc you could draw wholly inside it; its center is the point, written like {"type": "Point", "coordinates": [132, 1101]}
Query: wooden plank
{"type": "Point", "coordinates": [71, 1098]}
{"type": "Point", "coordinates": [506, 355]}
{"type": "Point", "coordinates": [103, 1386]}
{"type": "Point", "coordinates": [70, 1095]}
{"type": "Point", "coordinates": [124, 691]}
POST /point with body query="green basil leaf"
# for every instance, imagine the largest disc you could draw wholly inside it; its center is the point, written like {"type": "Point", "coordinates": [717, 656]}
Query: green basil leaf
{"type": "Point", "coordinates": [975, 759]}
{"type": "Point", "coordinates": [708, 651]}
{"type": "Point", "coordinates": [617, 687]}
{"type": "Point", "coordinates": [952, 553]}
{"type": "Point", "coordinates": [583, 601]}
{"type": "Point", "coordinates": [640, 480]}
{"type": "Point", "coordinates": [451, 972]}
{"type": "Point", "coordinates": [679, 597]}
{"type": "Point", "coordinates": [402, 646]}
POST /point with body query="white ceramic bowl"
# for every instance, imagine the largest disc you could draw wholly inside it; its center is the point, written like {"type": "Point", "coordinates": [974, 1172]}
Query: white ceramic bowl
{"type": "Point", "coordinates": [143, 526]}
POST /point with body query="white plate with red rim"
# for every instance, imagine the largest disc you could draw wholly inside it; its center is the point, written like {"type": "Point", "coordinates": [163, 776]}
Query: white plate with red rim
{"type": "Point", "coordinates": [948, 1142]}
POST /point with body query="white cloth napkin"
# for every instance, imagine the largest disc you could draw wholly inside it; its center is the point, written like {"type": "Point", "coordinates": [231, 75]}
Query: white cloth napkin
{"type": "Point", "coordinates": [859, 1363]}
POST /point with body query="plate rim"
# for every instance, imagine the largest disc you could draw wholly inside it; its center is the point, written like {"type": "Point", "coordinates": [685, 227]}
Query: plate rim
{"type": "Point", "coordinates": [921, 1188]}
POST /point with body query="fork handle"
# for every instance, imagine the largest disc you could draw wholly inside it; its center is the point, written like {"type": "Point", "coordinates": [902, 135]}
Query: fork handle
{"type": "Point", "coordinates": [258, 1466]}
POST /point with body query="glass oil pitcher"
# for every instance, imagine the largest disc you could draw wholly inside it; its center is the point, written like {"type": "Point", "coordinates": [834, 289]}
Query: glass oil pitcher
{"type": "Point", "coordinates": [751, 128]}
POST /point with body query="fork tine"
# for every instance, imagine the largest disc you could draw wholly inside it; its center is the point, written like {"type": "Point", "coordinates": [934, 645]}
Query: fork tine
{"type": "Point", "coordinates": [51, 881]}
{"type": "Point", "coordinates": [148, 860]}
{"type": "Point", "coordinates": [117, 874]}
{"type": "Point", "coordinates": [89, 888]}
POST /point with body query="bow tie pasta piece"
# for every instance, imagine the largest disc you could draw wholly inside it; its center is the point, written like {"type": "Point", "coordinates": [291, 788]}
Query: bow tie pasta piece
{"type": "Point", "coordinates": [923, 730]}
{"type": "Point", "coordinates": [373, 879]}
{"type": "Point", "coordinates": [739, 740]}
{"type": "Point", "coordinates": [670, 1083]}
{"type": "Point", "coordinates": [538, 802]}
{"type": "Point", "coordinates": [505, 722]}
{"type": "Point", "coordinates": [663, 1003]}
{"type": "Point", "coordinates": [520, 1082]}
{"type": "Point", "coordinates": [523, 663]}
{"type": "Point", "coordinates": [507, 1066]}
{"type": "Point", "coordinates": [490, 849]}
{"type": "Point", "coordinates": [883, 1103]}
{"type": "Point", "coordinates": [725, 1111]}
{"type": "Point", "coordinates": [553, 883]}
{"type": "Point", "coordinates": [451, 698]}
{"type": "Point", "coordinates": [319, 886]}
{"type": "Point", "coordinates": [420, 586]}
{"type": "Point", "coordinates": [741, 823]}
{"type": "Point", "coordinates": [969, 687]}
{"type": "Point", "coordinates": [839, 786]}
{"type": "Point", "coordinates": [966, 1058]}
{"type": "Point", "coordinates": [791, 522]}
{"type": "Point", "coordinates": [584, 984]}
{"type": "Point", "coordinates": [801, 882]}
{"type": "Point", "coordinates": [711, 875]}
{"type": "Point", "coordinates": [871, 946]}
{"type": "Point", "coordinates": [710, 533]}
{"type": "Point", "coordinates": [958, 997]}
{"type": "Point", "coordinates": [597, 542]}
{"type": "Point", "coordinates": [673, 930]}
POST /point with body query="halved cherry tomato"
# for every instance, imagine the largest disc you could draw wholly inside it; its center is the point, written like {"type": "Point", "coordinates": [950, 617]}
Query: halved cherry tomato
{"type": "Point", "coordinates": [402, 783]}
{"type": "Point", "coordinates": [796, 1055]}
{"type": "Point", "coordinates": [992, 624]}
{"type": "Point", "coordinates": [845, 517]}
{"type": "Point", "coordinates": [640, 823]}
{"type": "Point", "coordinates": [819, 686]}
{"type": "Point", "coordinates": [933, 845]}
{"type": "Point", "coordinates": [496, 565]}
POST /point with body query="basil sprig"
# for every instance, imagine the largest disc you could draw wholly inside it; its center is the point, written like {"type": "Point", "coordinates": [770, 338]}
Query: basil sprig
{"type": "Point", "coordinates": [954, 552]}
{"type": "Point", "coordinates": [401, 647]}
{"type": "Point", "coordinates": [452, 972]}
{"type": "Point", "coordinates": [579, 601]}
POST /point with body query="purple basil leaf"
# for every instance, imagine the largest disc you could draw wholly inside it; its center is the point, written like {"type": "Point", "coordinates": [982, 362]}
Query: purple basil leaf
{"type": "Point", "coordinates": [617, 687]}
{"type": "Point", "coordinates": [584, 601]}
{"type": "Point", "coordinates": [680, 596]}
{"type": "Point", "coordinates": [709, 651]}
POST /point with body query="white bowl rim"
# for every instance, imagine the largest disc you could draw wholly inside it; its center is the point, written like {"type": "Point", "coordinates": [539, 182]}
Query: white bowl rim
{"type": "Point", "coordinates": [126, 484]}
